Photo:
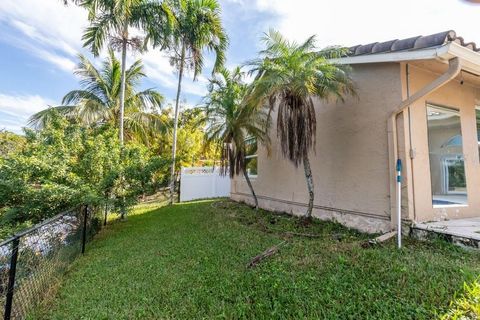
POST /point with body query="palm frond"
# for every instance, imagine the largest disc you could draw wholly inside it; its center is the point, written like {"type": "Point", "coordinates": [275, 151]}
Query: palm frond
{"type": "Point", "coordinates": [91, 79]}
{"type": "Point", "coordinates": [148, 99]}
{"type": "Point", "coordinates": [92, 112]}
{"type": "Point", "coordinates": [287, 77]}
{"type": "Point", "coordinates": [76, 96]}
{"type": "Point", "coordinates": [40, 119]}
{"type": "Point", "coordinates": [96, 34]}
{"type": "Point", "coordinates": [198, 27]}
{"type": "Point", "coordinates": [97, 101]}
{"type": "Point", "coordinates": [230, 121]}
{"type": "Point", "coordinates": [143, 126]}
{"type": "Point", "coordinates": [135, 73]}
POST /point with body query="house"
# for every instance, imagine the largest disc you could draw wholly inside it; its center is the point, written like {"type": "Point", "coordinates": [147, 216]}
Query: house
{"type": "Point", "coordinates": [418, 100]}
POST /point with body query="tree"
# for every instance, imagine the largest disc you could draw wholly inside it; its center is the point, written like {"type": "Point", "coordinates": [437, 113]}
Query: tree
{"type": "Point", "coordinates": [289, 76]}
{"type": "Point", "coordinates": [191, 148]}
{"type": "Point", "coordinates": [10, 143]}
{"type": "Point", "coordinates": [39, 181]}
{"type": "Point", "coordinates": [230, 122]}
{"type": "Point", "coordinates": [66, 164]}
{"type": "Point", "coordinates": [112, 19]}
{"type": "Point", "coordinates": [198, 26]}
{"type": "Point", "coordinates": [98, 101]}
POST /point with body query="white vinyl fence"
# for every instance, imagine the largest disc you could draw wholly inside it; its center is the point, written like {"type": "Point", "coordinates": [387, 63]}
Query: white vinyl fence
{"type": "Point", "coordinates": [202, 183]}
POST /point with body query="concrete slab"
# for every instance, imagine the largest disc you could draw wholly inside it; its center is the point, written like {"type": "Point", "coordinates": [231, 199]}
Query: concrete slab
{"type": "Point", "coordinates": [464, 232]}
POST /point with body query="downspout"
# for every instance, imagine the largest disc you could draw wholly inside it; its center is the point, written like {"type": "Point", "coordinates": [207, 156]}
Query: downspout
{"type": "Point", "coordinates": [410, 143]}
{"type": "Point", "coordinates": [454, 68]}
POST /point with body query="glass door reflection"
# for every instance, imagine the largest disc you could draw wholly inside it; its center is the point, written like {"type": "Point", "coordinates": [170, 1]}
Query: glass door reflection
{"type": "Point", "coordinates": [447, 163]}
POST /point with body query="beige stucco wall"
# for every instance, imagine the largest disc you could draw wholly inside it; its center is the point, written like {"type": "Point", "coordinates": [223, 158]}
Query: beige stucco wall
{"type": "Point", "coordinates": [454, 95]}
{"type": "Point", "coordinates": [351, 163]}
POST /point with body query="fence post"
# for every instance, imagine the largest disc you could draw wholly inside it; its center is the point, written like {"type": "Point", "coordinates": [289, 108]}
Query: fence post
{"type": "Point", "coordinates": [84, 231]}
{"type": "Point", "coordinates": [11, 278]}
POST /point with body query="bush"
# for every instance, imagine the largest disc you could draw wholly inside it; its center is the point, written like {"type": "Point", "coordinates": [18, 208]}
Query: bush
{"type": "Point", "coordinates": [467, 306]}
{"type": "Point", "coordinates": [64, 165]}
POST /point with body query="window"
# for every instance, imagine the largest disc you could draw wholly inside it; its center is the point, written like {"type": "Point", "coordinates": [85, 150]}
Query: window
{"type": "Point", "coordinates": [447, 165]}
{"type": "Point", "coordinates": [251, 156]}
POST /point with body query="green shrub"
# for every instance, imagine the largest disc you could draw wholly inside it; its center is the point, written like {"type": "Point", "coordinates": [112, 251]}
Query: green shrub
{"type": "Point", "coordinates": [467, 306]}
{"type": "Point", "coordinates": [64, 165]}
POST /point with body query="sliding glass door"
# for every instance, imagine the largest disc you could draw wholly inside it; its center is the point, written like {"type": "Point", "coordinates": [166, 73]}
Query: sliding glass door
{"type": "Point", "coordinates": [447, 163]}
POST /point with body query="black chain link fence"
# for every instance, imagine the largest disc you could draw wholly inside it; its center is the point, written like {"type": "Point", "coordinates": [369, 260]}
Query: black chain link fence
{"type": "Point", "coordinates": [32, 261]}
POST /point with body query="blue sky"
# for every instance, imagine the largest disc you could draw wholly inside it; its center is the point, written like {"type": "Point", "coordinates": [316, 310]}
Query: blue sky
{"type": "Point", "coordinates": [39, 41]}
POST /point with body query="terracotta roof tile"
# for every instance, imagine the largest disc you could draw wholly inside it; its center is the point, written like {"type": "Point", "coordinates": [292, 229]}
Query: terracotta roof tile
{"type": "Point", "coordinates": [419, 42]}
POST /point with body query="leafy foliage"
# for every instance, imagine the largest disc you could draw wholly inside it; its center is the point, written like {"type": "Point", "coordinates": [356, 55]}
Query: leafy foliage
{"type": "Point", "coordinates": [10, 143]}
{"type": "Point", "coordinates": [111, 19]}
{"type": "Point", "coordinates": [98, 101]}
{"type": "Point", "coordinates": [191, 148]}
{"type": "Point", "coordinates": [65, 164]}
{"type": "Point", "coordinates": [289, 76]}
{"type": "Point", "coordinates": [197, 26]}
{"type": "Point", "coordinates": [229, 121]}
{"type": "Point", "coordinates": [467, 305]}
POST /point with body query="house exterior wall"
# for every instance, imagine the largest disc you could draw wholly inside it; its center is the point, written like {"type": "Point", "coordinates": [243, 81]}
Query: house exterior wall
{"type": "Point", "coordinates": [350, 164]}
{"type": "Point", "coordinates": [461, 97]}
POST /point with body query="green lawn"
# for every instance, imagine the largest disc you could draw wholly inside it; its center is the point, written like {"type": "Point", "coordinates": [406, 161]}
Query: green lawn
{"type": "Point", "coordinates": [188, 261]}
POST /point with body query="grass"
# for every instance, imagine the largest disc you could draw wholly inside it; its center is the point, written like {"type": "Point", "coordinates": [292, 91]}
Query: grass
{"type": "Point", "coordinates": [188, 261]}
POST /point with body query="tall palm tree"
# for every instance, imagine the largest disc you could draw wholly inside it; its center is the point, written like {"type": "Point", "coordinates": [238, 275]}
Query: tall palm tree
{"type": "Point", "coordinates": [112, 20]}
{"type": "Point", "coordinates": [98, 100]}
{"type": "Point", "coordinates": [289, 75]}
{"type": "Point", "coordinates": [197, 27]}
{"type": "Point", "coordinates": [230, 122]}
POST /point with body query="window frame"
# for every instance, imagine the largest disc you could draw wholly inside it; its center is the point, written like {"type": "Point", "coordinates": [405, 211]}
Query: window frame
{"type": "Point", "coordinates": [456, 111]}
{"type": "Point", "coordinates": [477, 126]}
{"type": "Point", "coordinates": [252, 156]}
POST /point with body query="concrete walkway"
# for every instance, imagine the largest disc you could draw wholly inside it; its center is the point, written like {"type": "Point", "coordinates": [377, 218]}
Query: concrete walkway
{"type": "Point", "coordinates": [464, 232]}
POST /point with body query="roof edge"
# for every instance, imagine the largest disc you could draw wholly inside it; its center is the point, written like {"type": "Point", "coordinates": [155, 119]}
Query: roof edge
{"type": "Point", "coordinates": [399, 56]}
{"type": "Point", "coordinates": [470, 60]}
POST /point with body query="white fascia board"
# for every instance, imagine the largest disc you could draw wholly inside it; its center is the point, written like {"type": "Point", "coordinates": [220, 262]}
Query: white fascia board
{"type": "Point", "coordinates": [426, 54]}
{"type": "Point", "coordinates": [470, 60]}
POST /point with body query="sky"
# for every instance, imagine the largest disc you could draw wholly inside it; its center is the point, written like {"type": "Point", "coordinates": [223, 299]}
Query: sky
{"type": "Point", "coordinates": [40, 41]}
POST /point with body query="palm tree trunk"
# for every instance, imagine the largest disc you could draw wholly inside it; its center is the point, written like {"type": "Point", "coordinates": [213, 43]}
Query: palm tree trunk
{"type": "Point", "coordinates": [175, 125]}
{"type": "Point", "coordinates": [309, 178]}
{"type": "Point", "coordinates": [122, 81]}
{"type": "Point", "coordinates": [247, 178]}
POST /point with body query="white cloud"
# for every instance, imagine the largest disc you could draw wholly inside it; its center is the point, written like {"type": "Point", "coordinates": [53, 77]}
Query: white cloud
{"type": "Point", "coordinates": [197, 87]}
{"type": "Point", "coordinates": [48, 29]}
{"type": "Point", "coordinates": [158, 68]}
{"type": "Point", "coordinates": [23, 105]}
{"type": "Point", "coordinates": [351, 22]}
{"type": "Point", "coordinates": [52, 32]}
{"type": "Point", "coordinates": [16, 109]}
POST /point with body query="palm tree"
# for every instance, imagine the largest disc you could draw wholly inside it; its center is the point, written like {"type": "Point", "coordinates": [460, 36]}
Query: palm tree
{"type": "Point", "coordinates": [198, 26]}
{"type": "Point", "coordinates": [289, 75]}
{"type": "Point", "coordinates": [98, 100]}
{"type": "Point", "coordinates": [112, 19]}
{"type": "Point", "coordinates": [230, 122]}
